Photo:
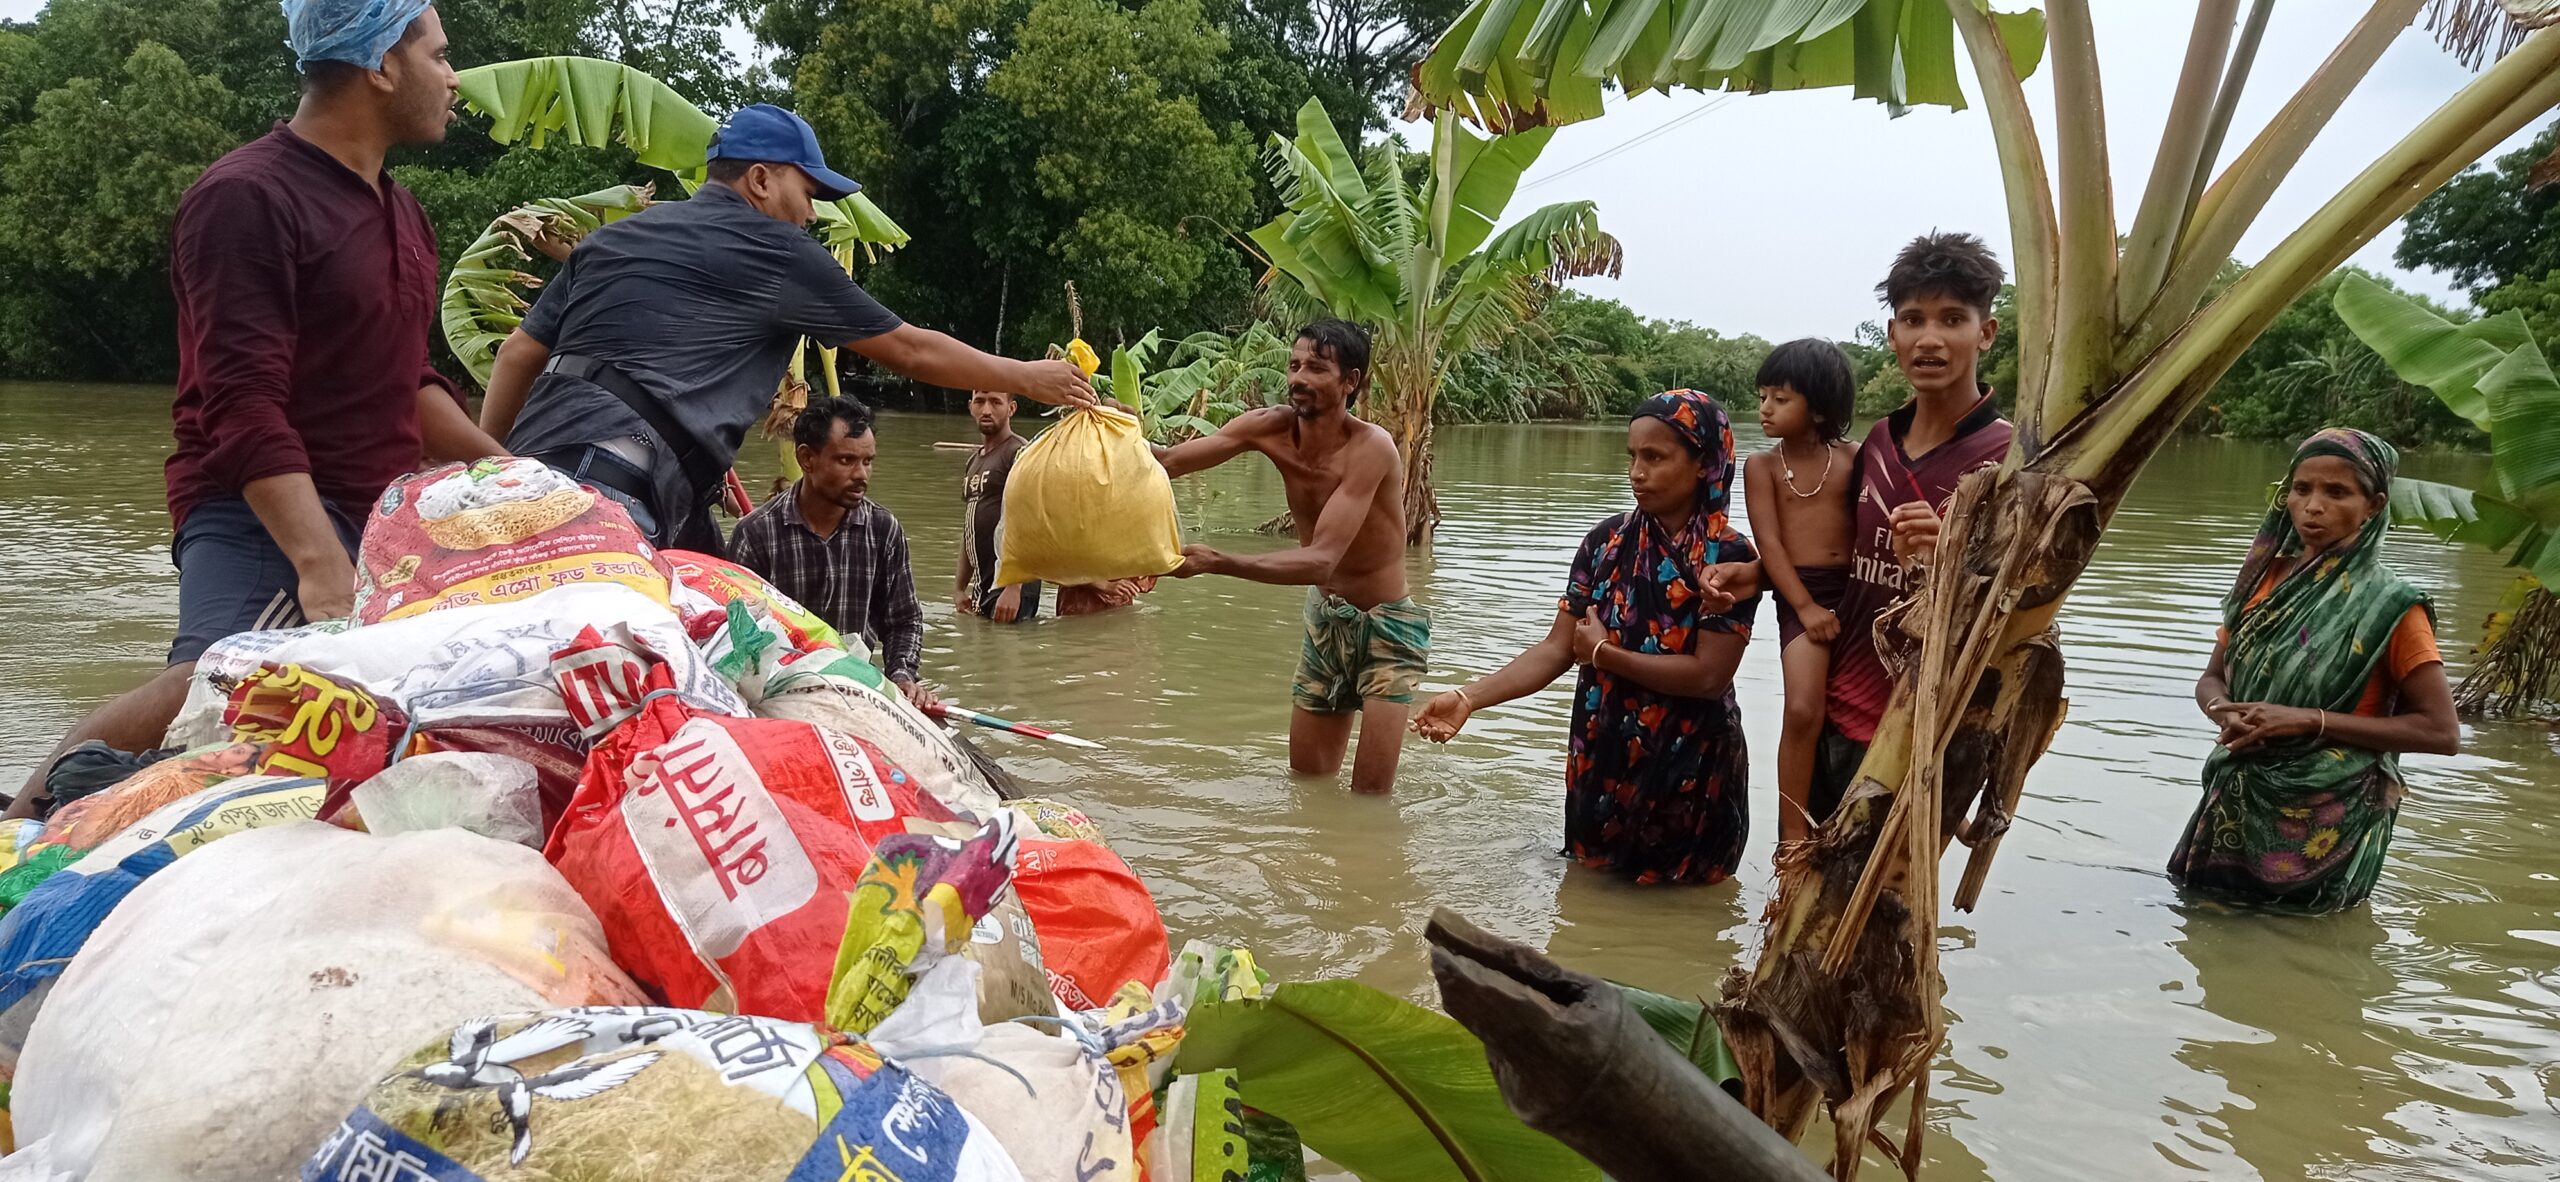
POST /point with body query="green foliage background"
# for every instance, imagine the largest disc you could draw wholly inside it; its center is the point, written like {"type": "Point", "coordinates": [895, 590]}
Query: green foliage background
{"type": "Point", "coordinates": [1026, 143]}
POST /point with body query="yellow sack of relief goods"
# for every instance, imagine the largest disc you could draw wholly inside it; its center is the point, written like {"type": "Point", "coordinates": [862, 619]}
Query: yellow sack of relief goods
{"type": "Point", "coordinates": [1087, 503]}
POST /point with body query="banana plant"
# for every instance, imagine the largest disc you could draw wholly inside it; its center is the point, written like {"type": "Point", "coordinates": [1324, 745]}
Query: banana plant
{"type": "Point", "coordinates": [2493, 372]}
{"type": "Point", "coordinates": [591, 102]}
{"type": "Point", "coordinates": [2121, 336]}
{"type": "Point", "coordinates": [485, 297]}
{"type": "Point", "coordinates": [1225, 377]}
{"type": "Point", "coordinates": [1126, 379]}
{"type": "Point", "coordinates": [1424, 270]}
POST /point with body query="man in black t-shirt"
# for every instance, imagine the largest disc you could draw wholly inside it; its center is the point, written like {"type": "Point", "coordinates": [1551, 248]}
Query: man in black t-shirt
{"type": "Point", "coordinates": [666, 334]}
{"type": "Point", "coordinates": [982, 490]}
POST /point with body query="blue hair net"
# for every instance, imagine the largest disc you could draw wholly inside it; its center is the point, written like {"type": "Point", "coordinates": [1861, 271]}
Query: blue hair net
{"type": "Point", "coordinates": [356, 31]}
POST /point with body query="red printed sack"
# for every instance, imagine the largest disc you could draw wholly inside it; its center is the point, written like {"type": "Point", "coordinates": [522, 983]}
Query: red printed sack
{"type": "Point", "coordinates": [725, 582]}
{"type": "Point", "coordinates": [1098, 926]}
{"type": "Point", "coordinates": [718, 852]}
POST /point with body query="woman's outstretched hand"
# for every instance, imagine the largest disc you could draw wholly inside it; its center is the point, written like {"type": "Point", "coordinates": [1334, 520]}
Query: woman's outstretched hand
{"type": "Point", "coordinates": [1443, 717]}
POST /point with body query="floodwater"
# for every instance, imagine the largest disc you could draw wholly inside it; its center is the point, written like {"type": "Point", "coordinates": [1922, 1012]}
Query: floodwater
{"type": "Point", "coordinates": [2100, 1027]}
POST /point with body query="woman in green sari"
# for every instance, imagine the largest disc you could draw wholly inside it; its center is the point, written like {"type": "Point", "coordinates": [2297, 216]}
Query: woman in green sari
{"type": "Point", "coordinates": [2326, 673]}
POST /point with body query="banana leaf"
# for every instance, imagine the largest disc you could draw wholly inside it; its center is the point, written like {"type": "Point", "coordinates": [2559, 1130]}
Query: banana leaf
{"type": "Point", "coordinates": [2493, 372]}
{"type": "Point", "coordinates": [1510, 65]}
{"type": "Point", "coordinates": [1388, 1090]}
{"type": "Point", "coordinates": [2524, 431]}
{"type": "Point", "coordinates": [2455, 513]}
{"type": "Point", "coordinates": [1128, 372]}
{"type": "Point", "coordinates": [2428, 350]}
{"type": "Point", "coordinates": [856, 223]}
{"type": "Point", "coordinates": [481, 304]}
{"type": "Point", "coordinates": [593, 102]}
{"type": "Point", "coordinates": [1691, 1031]}
{"type": "Point", "coordinates": [1483, 176]}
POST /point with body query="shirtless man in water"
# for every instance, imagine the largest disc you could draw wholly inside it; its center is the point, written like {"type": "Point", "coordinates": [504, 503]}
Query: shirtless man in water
{"type": "Point", "coordinates": [1366, 641]}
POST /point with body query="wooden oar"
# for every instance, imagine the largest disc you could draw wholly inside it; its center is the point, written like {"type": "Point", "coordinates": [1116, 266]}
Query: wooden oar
{"type": "Point", "coordinates": [948, 710]}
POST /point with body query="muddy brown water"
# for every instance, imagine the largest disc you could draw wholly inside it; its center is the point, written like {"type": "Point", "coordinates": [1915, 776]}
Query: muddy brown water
{"type": "Point", "coordinates": [2100, 1026]}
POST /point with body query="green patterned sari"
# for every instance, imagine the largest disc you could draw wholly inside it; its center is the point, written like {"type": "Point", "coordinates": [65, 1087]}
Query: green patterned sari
{"type": "Point", "coordinates": [2303, 824]}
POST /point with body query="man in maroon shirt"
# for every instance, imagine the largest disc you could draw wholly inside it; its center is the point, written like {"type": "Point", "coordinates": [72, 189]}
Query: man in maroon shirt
{"type": "Point", "coordinates": [1940, 292]}
{"type": "Point", "coordinates": [306, 286]}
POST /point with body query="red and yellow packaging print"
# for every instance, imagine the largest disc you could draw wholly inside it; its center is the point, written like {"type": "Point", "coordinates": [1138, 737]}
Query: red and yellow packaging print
{"type": "Point", "coordinates": [491, 532]}
{"type": "Point", "coordinates": [313, 725]}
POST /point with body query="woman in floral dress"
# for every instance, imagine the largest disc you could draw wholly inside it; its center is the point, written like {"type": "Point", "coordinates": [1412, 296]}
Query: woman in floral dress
{"type": "Point", "coordinates": [1656, 778]}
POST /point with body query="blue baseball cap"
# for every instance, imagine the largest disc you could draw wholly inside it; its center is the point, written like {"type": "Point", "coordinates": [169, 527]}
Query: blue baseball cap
{"type": "Point", "coordinates": [767, 134]}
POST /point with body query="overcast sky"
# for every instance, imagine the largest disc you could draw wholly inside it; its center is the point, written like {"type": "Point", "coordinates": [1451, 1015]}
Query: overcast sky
{"type": "Point", "coordinates": [1777, 214]}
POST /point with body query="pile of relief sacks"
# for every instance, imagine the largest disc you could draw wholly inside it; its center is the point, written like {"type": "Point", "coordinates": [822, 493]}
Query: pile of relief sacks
{"type": "Point", "coordinates": [568, 858]}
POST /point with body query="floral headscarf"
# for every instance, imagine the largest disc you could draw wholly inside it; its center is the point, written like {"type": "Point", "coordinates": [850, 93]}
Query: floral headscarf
{"type": "Point", "coordinates": [1702, 425]}
{"type": "Point", "coordinates": [1669, 568]}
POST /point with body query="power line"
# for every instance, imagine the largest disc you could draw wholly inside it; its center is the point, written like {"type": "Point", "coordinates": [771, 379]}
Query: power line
{"type": "Point", "coordinates": [1632, 142]}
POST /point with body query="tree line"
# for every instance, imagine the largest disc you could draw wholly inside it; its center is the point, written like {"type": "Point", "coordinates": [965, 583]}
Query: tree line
{"type": "Point", "coordinates": [1026, 143]}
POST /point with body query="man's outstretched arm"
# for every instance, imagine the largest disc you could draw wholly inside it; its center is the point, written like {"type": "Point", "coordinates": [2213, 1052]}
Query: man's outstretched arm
{"type": "Point", "coordinates": [1314, 563]}
{"type": "Point", "coordinates": [1217, 447]}
{"type": "Point", "coordinates": [938, 359]}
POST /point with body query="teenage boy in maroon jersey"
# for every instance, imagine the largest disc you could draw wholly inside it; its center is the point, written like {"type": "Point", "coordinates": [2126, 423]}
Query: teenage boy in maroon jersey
{"type": "Point", "coordinates": [1940, 291]}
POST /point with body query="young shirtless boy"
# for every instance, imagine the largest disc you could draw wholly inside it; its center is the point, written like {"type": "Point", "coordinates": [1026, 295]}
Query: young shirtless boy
{"type": "Point", "coordinates": [1799, 492]}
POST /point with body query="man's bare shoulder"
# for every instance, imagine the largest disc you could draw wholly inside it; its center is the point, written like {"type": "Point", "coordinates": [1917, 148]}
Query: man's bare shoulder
{"type": "Point", "coordinates": [1373, 440]}
{"type": "Point", "coordinates": [1265, 421]}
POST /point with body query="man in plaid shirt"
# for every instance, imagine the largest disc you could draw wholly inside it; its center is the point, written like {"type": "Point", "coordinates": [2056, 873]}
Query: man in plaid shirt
{"type": "Point", "coordinates": [824, 543]}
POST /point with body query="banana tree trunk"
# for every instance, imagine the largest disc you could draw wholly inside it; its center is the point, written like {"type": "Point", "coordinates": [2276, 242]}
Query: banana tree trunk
{"type": "Point", "coordinates": [1406, 389]}
{"type": "Point", "coordinates": [1421, 501]}
{"type": "Point", "coordinates": [2519, 671]}
{"type": "Point", "coordinates": [1577, 1062]}
{"type": "Point", "coordinates": [1844, 1005]}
